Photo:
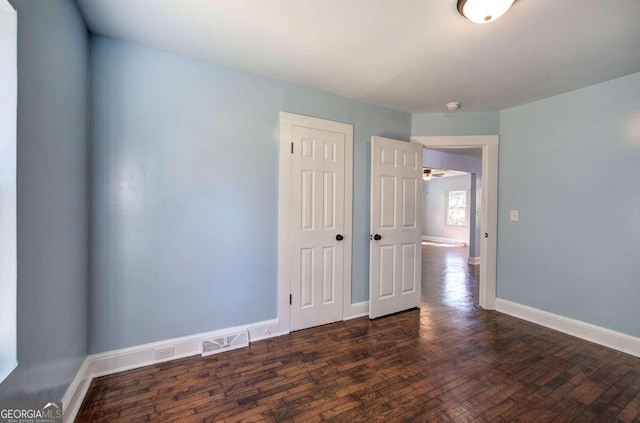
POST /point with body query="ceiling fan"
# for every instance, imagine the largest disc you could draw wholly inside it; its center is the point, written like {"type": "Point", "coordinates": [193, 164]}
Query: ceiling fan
{"type": "Point", "coordinates": [428, 173]}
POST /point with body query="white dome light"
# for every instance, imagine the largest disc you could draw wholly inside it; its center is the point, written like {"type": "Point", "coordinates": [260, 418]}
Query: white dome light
{"type": "Point", "coordinates": [483, 11]}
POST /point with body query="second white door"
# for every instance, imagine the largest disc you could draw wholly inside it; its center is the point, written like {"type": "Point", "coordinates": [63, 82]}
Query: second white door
{"type": "Point", "coordinates": [396, 226]}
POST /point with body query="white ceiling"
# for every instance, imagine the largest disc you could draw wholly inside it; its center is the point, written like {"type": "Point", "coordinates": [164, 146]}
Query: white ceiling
{"type": "Point", "coordinates": [410, 55]}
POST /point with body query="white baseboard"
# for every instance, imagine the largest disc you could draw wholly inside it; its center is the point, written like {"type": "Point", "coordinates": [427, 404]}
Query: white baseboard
{"type": "Point", "coordinates": [444, 240]}
{"type": "Point", "coordinates": [358, 310]}
{"type": "Point", "coordinates": [76, 392]}
{"type": "Point", "coordinates": [111, 362]}
{"type": "Point", "coordinates": [474, 261]}
{"type": "Point", "coordinates": [609, 338]}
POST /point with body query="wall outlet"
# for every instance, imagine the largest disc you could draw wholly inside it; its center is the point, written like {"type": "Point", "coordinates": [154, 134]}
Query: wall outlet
{"type": "Point", "coordinates": [164, 353]}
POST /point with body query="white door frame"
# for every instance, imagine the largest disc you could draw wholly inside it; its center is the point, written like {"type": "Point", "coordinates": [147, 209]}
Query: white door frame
{"type": "Point", "coordinates": [489, 214]}
{"type": "Point", "coordinates": [285, 210]}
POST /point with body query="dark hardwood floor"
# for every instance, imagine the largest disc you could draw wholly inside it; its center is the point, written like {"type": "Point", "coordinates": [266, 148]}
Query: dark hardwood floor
{"type": "Point", "coordinates": [447, 361]}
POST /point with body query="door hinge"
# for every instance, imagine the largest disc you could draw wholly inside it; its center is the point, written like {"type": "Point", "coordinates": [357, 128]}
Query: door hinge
{"type": "Point", "coordinates": [290, 299]}
{"type": "Point", "coordinates": [291, 148]}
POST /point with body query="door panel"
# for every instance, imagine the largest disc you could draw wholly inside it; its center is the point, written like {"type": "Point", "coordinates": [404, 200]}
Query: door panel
{"type": "Point", "coordinates": [409, 194]}
{"type": "Point", "coordinates": [329, 187]}
{"type": "Point", "coordinates": [318, 174]}
{"type": "Point", "coordinates": [408, 268]}
{"type": "Point", "coordinates": [396, 210]}
{"type": "Point", "coordinates": [328, 275]}
{"type": "Point", "coordinates": [306, 277]}
{"type": "Point", "coordinates": [387, 202]}
{"type": "Point", "coordinates": [387, 271]}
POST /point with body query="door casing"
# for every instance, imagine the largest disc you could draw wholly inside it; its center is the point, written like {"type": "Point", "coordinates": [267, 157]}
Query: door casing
{"type": "Point", "coordinates": [489, 216]}
{"type": "Point", "coordinates": [285, 209]}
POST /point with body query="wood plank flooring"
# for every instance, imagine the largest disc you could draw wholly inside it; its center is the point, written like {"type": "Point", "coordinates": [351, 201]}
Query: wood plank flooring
{"type": "Point", "coordinates": [449, 361]}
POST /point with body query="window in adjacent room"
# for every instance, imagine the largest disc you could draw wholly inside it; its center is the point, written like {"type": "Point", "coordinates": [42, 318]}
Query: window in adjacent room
{"type": "Point", "coordinates": [457, 208]}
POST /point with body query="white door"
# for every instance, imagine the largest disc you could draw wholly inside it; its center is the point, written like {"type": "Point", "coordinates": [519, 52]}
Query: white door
{"type": "Point", "coordinates": [396, 226]}
{"type": "Point", "coordinates": [318, 195]}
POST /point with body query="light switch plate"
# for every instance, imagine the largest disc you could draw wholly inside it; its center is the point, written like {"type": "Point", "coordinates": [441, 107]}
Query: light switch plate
{"type": "Point", "coordinates": [515, 215]}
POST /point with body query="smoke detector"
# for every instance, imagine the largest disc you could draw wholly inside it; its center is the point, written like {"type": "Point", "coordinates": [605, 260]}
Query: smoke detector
{"type": "Point", "coordinates": [453, 106]}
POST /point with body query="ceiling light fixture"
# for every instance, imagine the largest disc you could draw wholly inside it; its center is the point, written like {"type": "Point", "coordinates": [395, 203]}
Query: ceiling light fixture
{"type": "Point", "coordinates": [483, 11]}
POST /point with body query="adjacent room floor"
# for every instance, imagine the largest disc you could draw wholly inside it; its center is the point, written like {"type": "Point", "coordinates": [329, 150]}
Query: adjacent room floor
{"type": "Point", "coordinates": [447, 361]}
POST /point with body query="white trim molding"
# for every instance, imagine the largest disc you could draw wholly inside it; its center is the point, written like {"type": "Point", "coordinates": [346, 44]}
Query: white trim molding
{"type": "Point", "coordinates": [8, 190]}
{"type": "Point", "coordinates": [489, 218]}
{"type": "Point", "coordinates": [76, 392]}
{"type": "Point", "coordinates": [445, 240]}
{"type": "Point", "coordinates": [5, 6]}
{"type": "Point", "coordinates": [111, 362]}
{"type": "Point", "coordinates": [474, 261]}
{"type": "Point", "coordinates": [606, 337]}
{"type": "Point", "coordinates": [143, 355]}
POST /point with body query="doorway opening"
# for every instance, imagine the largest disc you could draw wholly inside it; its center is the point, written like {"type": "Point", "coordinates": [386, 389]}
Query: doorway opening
{"type": "Point", "coordinates": [450, 215]}
{"type": "Point", "coordinates": [454, 153]}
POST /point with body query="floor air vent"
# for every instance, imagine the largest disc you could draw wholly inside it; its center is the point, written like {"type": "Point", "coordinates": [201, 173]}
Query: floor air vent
{"type": "Point", "coordinates": [225, 343]}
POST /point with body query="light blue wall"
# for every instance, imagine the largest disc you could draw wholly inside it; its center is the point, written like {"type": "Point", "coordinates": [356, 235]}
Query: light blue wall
{"type": "Point", "coordinates": [571, 165]}
{"type": "Point", "coordinates": [185, 192]}
{"type": "Point", "coordinates": [53, 59]}
{"type": "Point", "coordinates": [458, 123]}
